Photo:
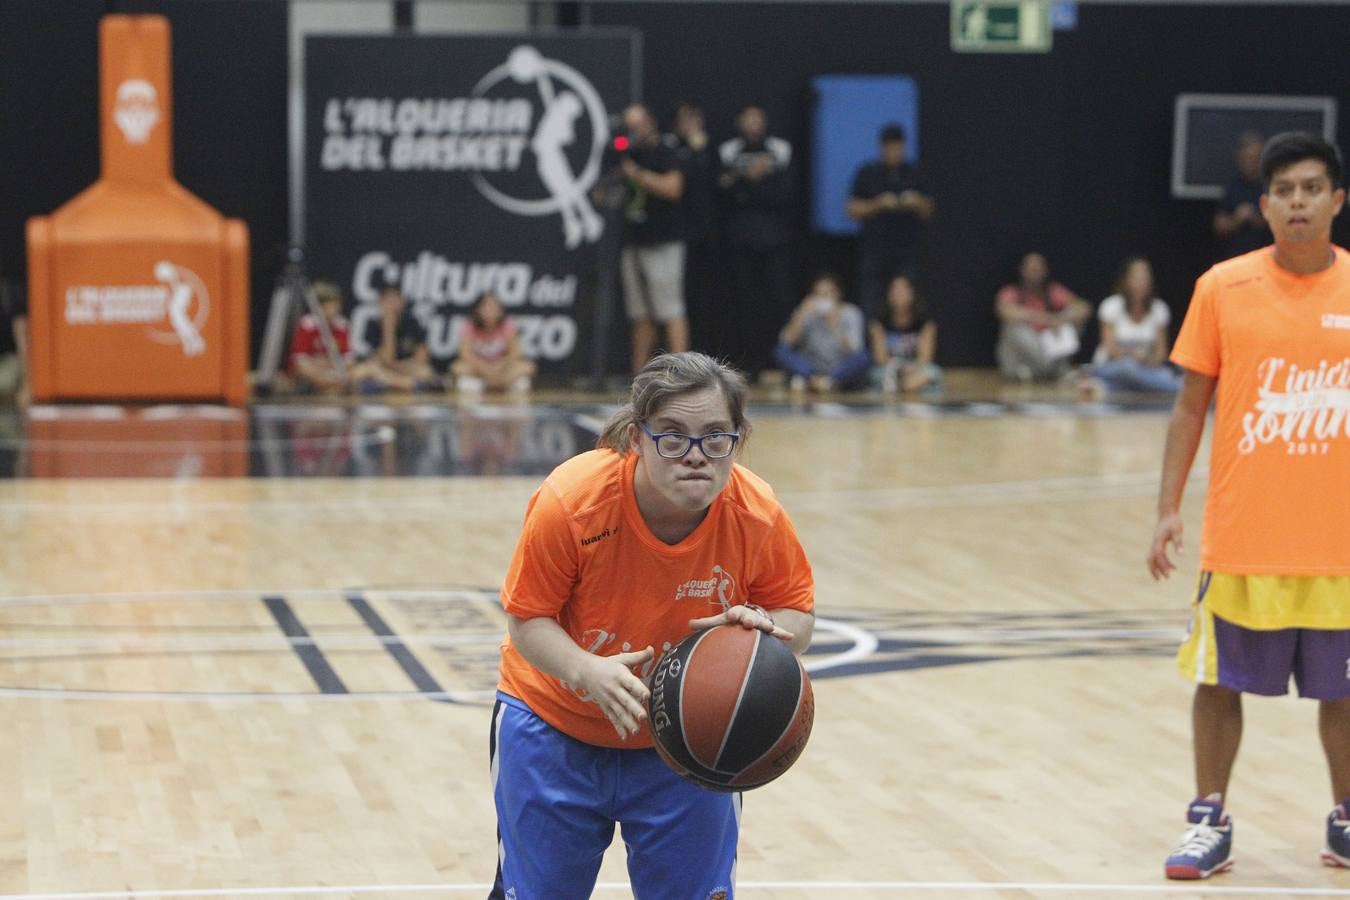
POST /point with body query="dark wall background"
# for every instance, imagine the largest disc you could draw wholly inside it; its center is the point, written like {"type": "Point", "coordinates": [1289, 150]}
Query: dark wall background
{"type": "Point", "coordinates": [1068, 153]}
{"type": "Point", "coordinates": [229, 130]}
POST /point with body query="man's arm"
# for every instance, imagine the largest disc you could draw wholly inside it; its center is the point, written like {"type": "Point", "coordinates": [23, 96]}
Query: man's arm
{"type": "Point", "coordinates": [918, 203]}
{"type": "Point", "coordinates": [388, 351]}
{"type": "Point", "coordinates": [666, 185]}
{"type": "Point", "coordinates": [861, 210]}
{"type": "Point", "coordinates": [1183, 439]}
{"type": "Point", "coordinates": [1076, 312]}
{"type": "Point", "coordinates": [1009, 311]}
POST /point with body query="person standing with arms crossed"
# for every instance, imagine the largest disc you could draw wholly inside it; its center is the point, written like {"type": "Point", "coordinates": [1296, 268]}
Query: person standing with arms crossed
{"type": "Point", "coordinates": [1273, 600]}
{"type": "Point", "coordinates": [625, 550]}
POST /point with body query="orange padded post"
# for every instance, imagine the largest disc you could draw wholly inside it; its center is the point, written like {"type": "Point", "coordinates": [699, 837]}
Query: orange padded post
{"type": "Point", "coordinates": [137, 289]}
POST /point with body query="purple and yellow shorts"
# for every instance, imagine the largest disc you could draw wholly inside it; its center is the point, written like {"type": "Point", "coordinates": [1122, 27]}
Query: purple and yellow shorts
{"type": "Point", "coordinates": [1260, 660]}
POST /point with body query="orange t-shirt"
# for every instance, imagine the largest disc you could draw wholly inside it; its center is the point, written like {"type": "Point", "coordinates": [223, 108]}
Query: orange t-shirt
{"type": "Point", "coordinates": [587, 559]}
{"type": "Point", "coordinates": [1279, 479]}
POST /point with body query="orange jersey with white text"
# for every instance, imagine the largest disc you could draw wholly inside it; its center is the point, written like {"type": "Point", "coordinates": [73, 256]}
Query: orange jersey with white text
{"type": "Point", "coordinates": [1279, 479]}
{"type": "Point", "coordinates": [587, 559]}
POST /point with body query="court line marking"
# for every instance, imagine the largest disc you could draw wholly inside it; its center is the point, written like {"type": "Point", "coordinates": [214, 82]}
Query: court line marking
{"type": "Point", "coordinates": [393, 643]}
{"type": "Point", "coordinates": [461, 887]}
{"type": "Point", "coordinates": [310, 655]}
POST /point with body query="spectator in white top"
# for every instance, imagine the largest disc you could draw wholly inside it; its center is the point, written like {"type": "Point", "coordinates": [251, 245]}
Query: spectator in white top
{"type": "Point", "coordinates": [1132, 354]}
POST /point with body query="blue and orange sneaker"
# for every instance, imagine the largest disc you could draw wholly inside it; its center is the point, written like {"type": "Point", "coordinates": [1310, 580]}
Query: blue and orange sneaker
{"type": "Point", "coordinates": [1337, 851]}
{"type": "Point", "coordinates": [1205, 847]}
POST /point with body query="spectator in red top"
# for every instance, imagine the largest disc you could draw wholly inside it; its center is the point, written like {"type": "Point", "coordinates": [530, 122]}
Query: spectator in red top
{"type": "Point", "coordinates": [310, 365]}
{"type": "Point", "coordinates": [489, 351]}
{"type": "Point", "coordinates": [1041, 320]}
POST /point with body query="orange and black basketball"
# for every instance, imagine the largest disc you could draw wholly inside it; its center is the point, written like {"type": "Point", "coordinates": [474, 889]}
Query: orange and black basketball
{"type": "Point", "coordinates": [730, 708]}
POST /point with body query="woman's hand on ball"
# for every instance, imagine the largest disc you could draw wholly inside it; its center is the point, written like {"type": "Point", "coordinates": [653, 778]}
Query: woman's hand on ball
{"type": "Point", "coordinates": [610, 682]}
{"type": "Point", "coordinates": [746, 616]}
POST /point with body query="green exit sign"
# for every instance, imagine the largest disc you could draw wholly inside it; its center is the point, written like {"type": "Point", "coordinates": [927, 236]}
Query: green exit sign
{"type": "Point", "coordinates": [1001, 26]}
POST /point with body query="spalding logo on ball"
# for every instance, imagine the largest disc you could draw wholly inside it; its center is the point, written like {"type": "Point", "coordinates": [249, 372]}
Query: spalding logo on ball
{"type": "Point", "coordinates": [730, 708]}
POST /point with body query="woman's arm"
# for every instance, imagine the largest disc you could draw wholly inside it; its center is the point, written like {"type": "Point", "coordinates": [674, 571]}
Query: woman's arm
{"type": "Point", "coordinates": [877, 336]}
{"type": "Point", "coordinates": [1108, 338]}
{"type": "Point", "coordinates": [927, 344]}
{"type": "Point", "coordinates": [608, 680]}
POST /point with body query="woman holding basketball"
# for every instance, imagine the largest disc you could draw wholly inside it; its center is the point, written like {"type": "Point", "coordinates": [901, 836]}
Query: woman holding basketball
{"type": "Point", "coordinates": [625, 550]}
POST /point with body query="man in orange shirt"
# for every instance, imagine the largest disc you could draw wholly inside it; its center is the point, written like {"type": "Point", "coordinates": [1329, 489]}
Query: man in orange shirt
{"type": "Point", "coordinates": [1273, 326]}
{"type": "Point", "coordinates": [625, 550]}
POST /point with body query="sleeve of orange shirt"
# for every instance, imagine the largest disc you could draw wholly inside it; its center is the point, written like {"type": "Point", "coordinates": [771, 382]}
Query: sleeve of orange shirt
{"type": "Point", "coordinates": [783, 579]}
{"type": "Point", "coordinates": [1197, 347]}
{"type": "Point", "coordinates": [543, 569]}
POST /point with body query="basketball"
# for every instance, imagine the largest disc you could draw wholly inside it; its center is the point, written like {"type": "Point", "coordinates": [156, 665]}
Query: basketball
{"type": "Point", "coordinates": [731, 708]}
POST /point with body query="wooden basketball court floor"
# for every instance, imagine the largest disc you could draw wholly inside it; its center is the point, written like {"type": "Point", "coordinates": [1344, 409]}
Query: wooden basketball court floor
{"type": "Point", "coordinates": [255, 686]}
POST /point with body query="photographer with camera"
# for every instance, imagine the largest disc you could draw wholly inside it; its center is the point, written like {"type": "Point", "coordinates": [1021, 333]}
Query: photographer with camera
{"type": "Point", "coordinates": [652, 260]}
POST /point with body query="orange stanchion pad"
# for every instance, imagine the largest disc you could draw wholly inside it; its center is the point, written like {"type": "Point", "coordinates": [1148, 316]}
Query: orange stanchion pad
{"type": "Point", "coordinates": [138, 290]}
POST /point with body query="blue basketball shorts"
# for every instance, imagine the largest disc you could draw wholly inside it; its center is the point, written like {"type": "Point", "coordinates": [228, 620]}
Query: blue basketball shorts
{"type": "Point", "coordinates": [558, 800]}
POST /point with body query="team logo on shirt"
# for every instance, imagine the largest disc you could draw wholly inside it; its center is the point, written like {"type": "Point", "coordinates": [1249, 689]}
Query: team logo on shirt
{"type": "Point", "coordinates": [719, 587]}
{"type": "Point", "coordinates": [1305, 407]}
{"type": "Point", "coordinates": [1333, 320]}
{"type": "Point", "coordinates": [596, 538]}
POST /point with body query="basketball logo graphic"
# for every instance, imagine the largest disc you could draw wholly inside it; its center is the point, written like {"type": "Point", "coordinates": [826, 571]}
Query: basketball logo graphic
{"type": "Point", "coordinates": [187, 308]}
{"type": "Point", "coordinates": [726, 587]}
{"type": "Point", "coordinates": [566, 166]}
{"type": "Point", "coordinates": [175, 309]}
{"type": "Point", "coordinates": [137, 110]}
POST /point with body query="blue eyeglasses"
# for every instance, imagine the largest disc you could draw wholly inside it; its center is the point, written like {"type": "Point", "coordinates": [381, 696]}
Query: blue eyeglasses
{"type": "Point", "coordinates": [674, 445]}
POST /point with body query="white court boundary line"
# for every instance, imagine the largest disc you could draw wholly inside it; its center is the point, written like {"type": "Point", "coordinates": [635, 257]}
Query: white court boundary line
{"type": "Point", "coordinates": [936, 886]}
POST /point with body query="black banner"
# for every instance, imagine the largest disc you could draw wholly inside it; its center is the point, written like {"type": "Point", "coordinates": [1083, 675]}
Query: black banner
{"type": "Point", "coordinates": [458, 165]}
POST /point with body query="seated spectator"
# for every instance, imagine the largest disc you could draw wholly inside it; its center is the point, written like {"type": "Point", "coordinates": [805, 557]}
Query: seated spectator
{"type": "Point", "coordinates": [310, 366]}
{"type": "Point", "coordinates": [822, 345]}
{"type": "Point", "coordinates": [1132, 355]}
{"type": "Point", "coordinates": [904, 342]}
{"type": "Point", "coordinates": [1041, 320]}
{"type": "Point", "coordinates": [14, 368]}
{"type": "Point", "coordinates": [395, 349]}
{"type": "Point", "coordinates": [489, 351]}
